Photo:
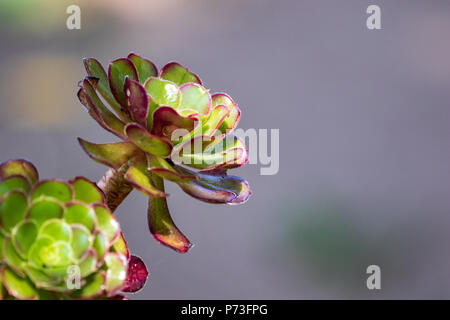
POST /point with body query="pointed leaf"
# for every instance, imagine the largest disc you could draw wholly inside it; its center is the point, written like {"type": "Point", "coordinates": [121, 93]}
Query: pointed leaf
{"type": "Point", "coordinates": [146, 141]}
{"type": "Point", "coordinates": [175, 72]}
{"type": "Point", "coordinates": [161, 224]}
{"type": "Point", "coordinates": [117, 72]}
{"type": "Point", "coordinates": [120, 246]}
{"type": "Point", "coordinates": [145, 68]}
{"type": "Point", "coordinates": [163, 169]}
{"type": "Point", "coordinates": [95, 69]}
{"type": "Point", "coordinates": [137, 101]}
{"type": "Point", "coordinates": [89, 98]}
{"type": "Point", "coordinates": [113, 155]}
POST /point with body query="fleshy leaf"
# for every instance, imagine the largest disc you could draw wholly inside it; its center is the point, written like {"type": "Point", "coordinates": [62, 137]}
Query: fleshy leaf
{"type": "Point", "coordinates": [137, 100]}
{"type": "Point", "coordinates": [117, 72]}
{"type": "Point", "coordinates": [19, 183]}
{"type": "Point", "coordinates": [81, 214]}
{"type": "Point", "coordinates": [113, 155]}
{"type": "Point", "coordinates": [161, 224]}
{"type": "Point", "coordinates": [80, 240]}
{"type": "Point", "coordinates": [19, 167]}
{"type": "Point", "coordinates": [175, 72]}
{"type": "Point", "coordinates": [89, 98]}
{"type": "Point", "coordinates": [139, 176]}
{"type": "Point", "coordinates": [166, 120]}
{"type": "Point", "coordinates": [56, 189]}
{"type": "Point", "coordinates": [95, 69]}
{"type": "Point", "coordinates": [215, 188]}
{"type": "Point", "coordinates": [24, 236]}
{"type": "Point", "coordinates": [100, 245]}
{"type": "Point", "coordinates": [93, 287]}
{"type": "Point", "coordinates": [106, 222]}
{"type": "Point", "coordinates": [18, 287]}
{"type": "Point", "coordinates": [162, 168]}
{"type": "Point", "coordinates": [215, 120]}
{"type": "Point", "coordinates": [12, 257]}
{"type": "Point", "coordinates": [145, 68]}
{"type": "Point", "coordinates": [86, 191]}
{"type": "Point", "coordinates": [136, 275]}
{"type": "Point", "coordinates": [13, 207]}
{"type": "Point", "coordinates": [232, 119]}
{"type": "Point", "coordinates": [195, 100]}
{"type": "Point", "coordinates": [163, 92]}
{"type": "Point", "coordinates": [120, 246]}
{"type": "Point", "coordinates": [43, 210]}
{"type": "Point", "coordinates": [57, 230]}
{"type": "Point", "coordinates": [116, 273]}
{"type": "Point", "coordinates": [146, 141]}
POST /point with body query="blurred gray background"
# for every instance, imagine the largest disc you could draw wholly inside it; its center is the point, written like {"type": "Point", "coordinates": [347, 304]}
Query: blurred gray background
{"type": "Point", "coordinates": [364, 137]}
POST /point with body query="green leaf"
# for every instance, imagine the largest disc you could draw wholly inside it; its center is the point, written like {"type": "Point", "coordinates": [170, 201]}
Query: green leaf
{"type": "Point", "coordinates": [43, 210]}
{"type": "Point", "coordinates": [80, 214]}
{"type": "Point", "coordinates": [95, 69]}
{"type": "Point", "coordinates": [89, 98]}
{"type": "Point", "coordinates": [89, 263]}
{"type": "Point", "coordinates": [163, 169]}
{"type": "Point", "coordinates": [81, 240]}
{"type": "Point", "coordinates": [56, 189]}
{"type": "Point", "coordinates": [120, 246]}
{"type": "Point", "coordinates": [86, 191]}
{"type": "Point", "coordinates": [113, 155]}
{"type": "Point", "coordinates": [145, 68]}
{"type": "Point", "coordinates": [215, 120]}
{"type": "Point", "coordinates": [195, 100]}
{"type": "Point", "coordinates": [19, 167]}
{"type": "Point", "coordinates": [58, 254]}
{"type": "Point", "coordinates": [146, 141]}
{"type": "Point", "coordinates": [13, 207]}
{"type": "Point", "coordinates": [57, 230]}
{"type": "Point", "coordinates": [139, 177]}
{"type": "Point", "coordinates": [100, 245]}
{"type": "Point", "coordinates": [93, 287]}
{"type": "Point", "coordinates": [106, 222]}
{"type": "Point", "coordinates": [20, 288]}
{"type": "Point", "coordinates": [14, 183]}
{"type": "Point", "coordinates": [12, 257]}
{"type": "Point", "coordinates": [161, 224]}
{"type": "Point", "coordinates": [117, 72]}
{"type": "Point", "coordinates": [163, 92]}
{"type": "Point", "coordinates": [231, 120]}
{"type": "Point", "coordinates": [24, 236]}
{"type": "Point", "coordinates": [175, 72]}
{"type": "Point", "coordinates": [116, 272]}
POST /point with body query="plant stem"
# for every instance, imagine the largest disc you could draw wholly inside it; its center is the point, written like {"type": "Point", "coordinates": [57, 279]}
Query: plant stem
{"type": "Point", "coordinates": [115, 187]}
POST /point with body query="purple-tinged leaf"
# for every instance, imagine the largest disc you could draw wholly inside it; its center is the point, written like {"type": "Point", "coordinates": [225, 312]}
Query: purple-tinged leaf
{"type": "Point", "coordinates": [117, 72]}
{"type": "Point", "coordinates": [178, 74]}
{"type": "Point", "coordinates": [161, 224]}
{"type": "Point", "coordinates": [95, 69]}
{"type": "Point", "coordinates": [113, 155]}
{"type": "Point", "coordinates": [195, 100]}
{"type": "Point", "coordinates": [19, 167]}
{"type": "Point", "coordinates": [145, 68]}
{"type": "Point", "coordinates": [136, 275]}
{"type": "Point", "coordinates": [162, 168]}
{"type": "Point", "coordinates": [232, 119]}
{"type": "Point", "coordinates": [147, 142]}
{"type": "Point", "coordinates": [120, 246]}
{"type": "Point", "coordinates": [215, 188]}
{"type": "Point", "coordinates": [166, 120]}
{"type": "Point", "coordinates": [89, 98]}
{"type": "Point", "coordinates": [139, 177]}
{"type": "Point", "coordinates": [137, 101]}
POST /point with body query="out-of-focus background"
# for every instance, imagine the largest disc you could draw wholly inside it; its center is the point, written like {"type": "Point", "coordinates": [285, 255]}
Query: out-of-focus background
{"type": "Point", "coordinates": [364, 119]}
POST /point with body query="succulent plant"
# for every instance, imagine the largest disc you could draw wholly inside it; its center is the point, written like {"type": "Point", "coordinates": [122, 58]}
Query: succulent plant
{"type": "Point", "coordinates": [51, 230]}
{"type": "Point", "coordinates": [172, 129]}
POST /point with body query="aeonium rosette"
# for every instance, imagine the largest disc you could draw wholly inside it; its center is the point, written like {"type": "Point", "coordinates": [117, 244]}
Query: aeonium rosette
{"type": "Point", "coordinates": [58, 240]}
{"type": "Point", "coordinates": [172, 129]}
